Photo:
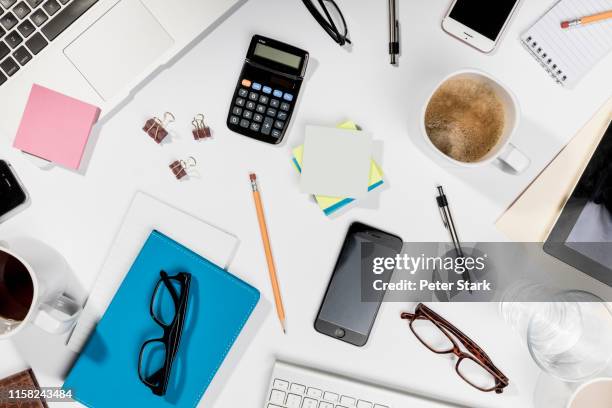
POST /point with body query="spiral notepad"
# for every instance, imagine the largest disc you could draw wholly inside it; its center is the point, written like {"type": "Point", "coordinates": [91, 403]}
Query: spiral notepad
{"type": "Point", "coordinates": [568, 55]}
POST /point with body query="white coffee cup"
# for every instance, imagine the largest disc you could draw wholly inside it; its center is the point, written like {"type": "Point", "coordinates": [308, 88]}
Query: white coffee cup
{"type": "Point", "coordinates": [50, 309]}
{"type": "Point", "coordinates": [503, 150]}
{"type": "Point", "coordinates": [592, 394]}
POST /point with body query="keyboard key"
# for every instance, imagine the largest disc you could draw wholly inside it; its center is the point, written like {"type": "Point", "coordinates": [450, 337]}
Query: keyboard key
{"type": "Point", "coordinates": [8, 21]}
{"type": "Point", "coordinates": [293, 401]}
{"type": "Point", "coordinates": [271, 112]}
{"type": "Point", "coordinates": [285, 106]}
{"type": "Point", "coordinates": [39, 17]}
{"type": "Point", "coordinates": [276, 133]}
{"type": "Point", "coordinates": [266, 129]}
{"type": "Point", "coordinates": [13, 39]}
{"type": "Point", "coordinates": [9, 66]}
{"type": "Point", "coordinates": [324, 404]}
{"type": "Point", "coordinates": [240, 101]}
{"type": "Point", "coordinates": [347, 401]}
{"type": "Point", "coordinates": [26, 28]}
{"type": "Point", "coordinates": [274, 406]}
{"type": "Point", "coordinates": [3, 78]}
{"type": "Point", "coordinates": [234, 120]}
{"type": "Point", "coordinates": [34, 3]}
{"type": "Point", "coordinates": [255, 127]}
{"type": "Point", "coordinates": [246, 83]}
{"type": "Point", "coordinates": [330, 396]}
{"type": "Point", "coordinates": [309, 403]}
{"type": "Point", "coordinates": [380, 406]}
{"type": "Point", "coordinates": [237, 111]}
{"type": "Point", "coordinates": [22, 56]}
{"type": "Point", "coordinates": [7, 3]}
{"type": "Point", "coordinates": [258, 117]}
{"type": "Point", "coordinates": [247, 114]}
{"type": "Point", "coordinates": [36, 43]}
{"type": "Point", "coordinates": [278, 93]}
{"type": "Point", "coordinates": [282, 116]}
{"type": "Point", "coordinates": [64, 1]}
{"type": "Point", "coordinates": [296, 388]}
{"type": "Point", "coordinates": [315, 393]}
{"type": "Point", "coordinates": [281, 385]}
{"type": "Point", "coordinates": [253, 96]}
{"type": "Point", "coordinates": [288, 97]}
{"type": "Point", "coordinates": [267, 90]}
{"type": "Point", "coordinates": [261, 109]}
{"type": "Point", "coordinates": [21, 10]}
{"type": "Point", "coordinates": [275, 103]}
{"type": "Point", "coordinates": [250, 105]}
{"type": "Point", "coordinates": [4, 50]}
{"type": "Point", "coordinates": [2, 32]}
{"type": "Point", "coordinates": [243, 93]}
{"type": "Point", "coordinates": [263, 99]}
{"type": "Point", "coordinates": [277, 396]}
{"type": "Point", "coordinates": [66, 17]}
{"type": "Point", "coordinates": [51, 7]}
{"type": "Point", "coordinates": [364, 404]}
{"type": "Point", "coordinates": [244, 123]}
{"type": "Point", "coordinates": [279, 124]}
{"type": "Point", "coordinates": [256, 86]}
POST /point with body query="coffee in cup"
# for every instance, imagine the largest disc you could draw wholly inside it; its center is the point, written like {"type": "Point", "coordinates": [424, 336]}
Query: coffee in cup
{"type": "Point", "coordinates": [16, 288]}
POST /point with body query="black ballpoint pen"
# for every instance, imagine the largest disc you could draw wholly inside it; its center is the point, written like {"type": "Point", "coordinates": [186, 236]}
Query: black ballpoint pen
{"type": "Point", "coordinates": [393, 32]}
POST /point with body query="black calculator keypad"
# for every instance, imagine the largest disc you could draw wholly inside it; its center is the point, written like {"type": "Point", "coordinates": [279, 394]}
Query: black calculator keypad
{"type": "Point", "coordinates": [260, 108]}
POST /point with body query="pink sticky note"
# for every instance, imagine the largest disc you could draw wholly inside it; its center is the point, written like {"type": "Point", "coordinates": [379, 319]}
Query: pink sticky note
{"type": "Point", "coordinates": [55, 127]}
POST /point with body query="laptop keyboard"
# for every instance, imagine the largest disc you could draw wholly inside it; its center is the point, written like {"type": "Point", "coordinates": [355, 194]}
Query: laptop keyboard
{"type": "Point", "coordinates": [27, 27]}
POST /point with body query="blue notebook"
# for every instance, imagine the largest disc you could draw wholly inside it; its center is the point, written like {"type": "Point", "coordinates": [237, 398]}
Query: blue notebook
{"type": "Point", "coordinates": [106, 372]}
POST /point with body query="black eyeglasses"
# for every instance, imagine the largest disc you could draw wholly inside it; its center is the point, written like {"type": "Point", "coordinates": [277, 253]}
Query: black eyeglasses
{"type": "Point", "coordinates": [168, 308]}
{"type": "Point", "coordinates": [331, 19]}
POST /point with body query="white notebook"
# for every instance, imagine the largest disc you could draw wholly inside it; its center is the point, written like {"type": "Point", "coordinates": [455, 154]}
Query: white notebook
{"type": "Point", "coordinates": [569, 54]}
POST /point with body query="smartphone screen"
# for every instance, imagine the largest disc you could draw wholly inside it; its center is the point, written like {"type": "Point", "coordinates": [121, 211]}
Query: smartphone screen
{"type": "Point", "coordinates": [343, 315]}
{"type": "Point", "coordinates": [485, 17]}
{"type": "Point", "coordinates": [11, 193]}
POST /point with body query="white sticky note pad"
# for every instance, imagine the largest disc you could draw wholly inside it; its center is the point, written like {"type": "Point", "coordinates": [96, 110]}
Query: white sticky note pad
{"type": "Point", "coordinates": [336, 162]}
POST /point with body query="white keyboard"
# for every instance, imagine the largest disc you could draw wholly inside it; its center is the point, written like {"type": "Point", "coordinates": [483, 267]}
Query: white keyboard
{"type": "Point", "coordinates": [293, 386]}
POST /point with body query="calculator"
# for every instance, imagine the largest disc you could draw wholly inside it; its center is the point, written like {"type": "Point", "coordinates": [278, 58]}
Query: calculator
{"type": "Point", "coordinates": [267, 90]}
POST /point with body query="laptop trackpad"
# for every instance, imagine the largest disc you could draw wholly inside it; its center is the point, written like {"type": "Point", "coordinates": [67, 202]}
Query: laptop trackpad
{"type": "Point", "coordinates": [119, 47]}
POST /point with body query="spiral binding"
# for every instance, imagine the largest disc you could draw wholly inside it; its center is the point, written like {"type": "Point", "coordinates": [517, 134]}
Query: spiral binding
{"type": "Point", "coordinates": [555, 71]}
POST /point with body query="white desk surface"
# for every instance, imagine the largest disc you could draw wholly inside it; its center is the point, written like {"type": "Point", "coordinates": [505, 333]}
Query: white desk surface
{"type": "Point", "coordinates": [79, 214]}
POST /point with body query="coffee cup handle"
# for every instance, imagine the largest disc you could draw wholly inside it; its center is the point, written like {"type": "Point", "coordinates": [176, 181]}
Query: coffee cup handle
{"type": "Point", "coordinates": [59, 316]}
{"type": "Point", "coordinates": [514, 158]}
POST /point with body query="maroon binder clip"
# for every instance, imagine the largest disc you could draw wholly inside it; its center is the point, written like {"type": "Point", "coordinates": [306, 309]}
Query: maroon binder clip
{"type": "Point", "coordinates": [180, 167]}
{"type": "Point", "coordinates": [200, 130]}
{"type": "Point", "coordinates": [156, 128]}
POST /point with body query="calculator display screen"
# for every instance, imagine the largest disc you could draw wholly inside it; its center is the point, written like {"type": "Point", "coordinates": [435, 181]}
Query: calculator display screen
{"type": "Point", "coordinates": [279, 56]}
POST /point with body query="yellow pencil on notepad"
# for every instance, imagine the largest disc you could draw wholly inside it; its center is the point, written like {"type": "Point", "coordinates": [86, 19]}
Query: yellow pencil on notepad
{"type": "Point", "coordinates": [280, 310]}
{"type": "Point", "coordinates": [587, 20]}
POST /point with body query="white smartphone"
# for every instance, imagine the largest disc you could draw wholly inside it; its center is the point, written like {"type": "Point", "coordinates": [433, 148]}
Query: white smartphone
{"type": "Point", "coordinates": [479, 23]}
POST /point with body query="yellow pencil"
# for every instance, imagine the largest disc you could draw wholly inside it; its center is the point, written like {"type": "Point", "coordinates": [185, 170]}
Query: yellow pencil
{"type": "Point", "coordinates": [587, 20]}
{"type": "Point", "coordinates": [280, 310]}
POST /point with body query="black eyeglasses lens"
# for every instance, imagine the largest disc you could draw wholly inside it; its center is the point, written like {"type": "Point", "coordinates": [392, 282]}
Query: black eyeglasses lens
{"type": "Point", "coordinates": [153, 362]}
{"type": "Point", "coordinates": [164, 303]}
{"type": "Point", "coordinates": [337, 19]}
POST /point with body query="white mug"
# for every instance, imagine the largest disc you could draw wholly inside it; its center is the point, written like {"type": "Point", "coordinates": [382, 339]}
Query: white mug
{"type": "Point", "coordinates": [503, 150]}
{"type": "Point", "coordinates": [593, 394]}
{"type": "Point", "coordinates": [50, 309]}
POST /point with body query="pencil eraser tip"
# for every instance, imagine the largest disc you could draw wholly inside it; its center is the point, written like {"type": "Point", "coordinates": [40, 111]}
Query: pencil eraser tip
{"type": "Point", "coordinates": [253, 176]}
{"type": "Point", "coordinates": [565, 24]}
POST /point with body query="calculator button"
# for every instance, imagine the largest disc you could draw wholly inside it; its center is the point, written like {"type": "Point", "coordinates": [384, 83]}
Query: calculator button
{"type": "Point", "coordinates": [247, 114]}
{"type": "Point", "coordinates": [243, 93]}
{"type": "Point", "coordinates": [258, 117]}
{"type": "Point", "coordinates": [246, 83]}
{"type": "Point", "coordinates": [271, 112]}
{"type": "Point", "coordinates": [276, 133]}
{"type": "Point", "coordinates": [240, 101]}
{"type": "Point", "coordinates": [256, 86]}
{"type": "Point", "coordinates": [288, 97]}
{"type": "Point", "coordinates": [285, 106]}
{"type": "Point", "coordinates": [250, 105]}
{"type": "Point", "coordinates": [267, 126]}
{"type": "Point", "coordinates": [234, 120]}
{"type": "Point", "coordinates": [244, 123]}
{"type": "Point", "coordinates": [263, 99]}
{"type": "Point", "coordinates": [253, 96]}
{"type": "Point", "coordinates": [267, 90]}
{"type": "Point", "coordinates": [261, 109]}
{"type": "Point", "coordinates": [275, 103]}
{"type": "Point", "coordinates": [237, 111]}
{"type": "Point", "coordinates": [255, 126]}
{"type": "Point", "coordinates": [278, 94]}
{"type": "Point", "coordinates": [279, 124]}
{"type": "Point", "coordinates": [282, 116]}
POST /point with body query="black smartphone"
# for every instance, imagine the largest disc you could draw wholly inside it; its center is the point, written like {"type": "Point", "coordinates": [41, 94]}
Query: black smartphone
{"type": "Point", "coordinates": [12, 194]}
{"type": "Point", "coordinates": [343, 315]}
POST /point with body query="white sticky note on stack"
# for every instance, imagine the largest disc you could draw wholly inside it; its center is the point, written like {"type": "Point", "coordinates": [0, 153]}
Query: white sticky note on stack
{"type": "Point", "coordinates": [336, 162]}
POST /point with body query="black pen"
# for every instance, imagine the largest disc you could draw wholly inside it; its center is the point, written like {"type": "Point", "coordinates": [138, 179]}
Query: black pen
{"type": "Point", "coordinates": [393, 32]}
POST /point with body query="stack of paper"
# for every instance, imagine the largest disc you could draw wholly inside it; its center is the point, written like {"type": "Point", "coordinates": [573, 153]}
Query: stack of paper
{"type": "Point", "coordinates": [332, 203]}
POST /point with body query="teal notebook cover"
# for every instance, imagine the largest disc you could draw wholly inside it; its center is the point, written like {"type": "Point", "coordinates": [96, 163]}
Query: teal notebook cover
{"type": "Point", "coordinates": [106, 372]}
